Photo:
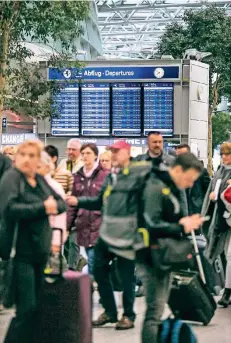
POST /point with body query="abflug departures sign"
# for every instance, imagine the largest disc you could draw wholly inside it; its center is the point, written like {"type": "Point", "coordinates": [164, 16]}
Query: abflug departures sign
{"type": "Point", "coordinates": [115, 101]}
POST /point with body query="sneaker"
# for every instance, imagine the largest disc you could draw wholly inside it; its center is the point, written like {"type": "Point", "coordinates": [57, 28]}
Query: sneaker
{"type": "Point", "coordinates": [125, 324]}
{"type": "Point", "coordinates": [82, 263]}
{"type": "Point", "coordinates": [102, 320]}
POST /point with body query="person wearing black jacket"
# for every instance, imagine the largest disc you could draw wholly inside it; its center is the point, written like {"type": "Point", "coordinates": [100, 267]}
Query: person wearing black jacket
{"type": "Point", "coordinates": [164, 219]}
{"type": "Point", "coordinates": [5, 164]}
{"type": "Point", "coordinates": [196, 194]}
{"type": "Point", "coordinates": [26, 203]}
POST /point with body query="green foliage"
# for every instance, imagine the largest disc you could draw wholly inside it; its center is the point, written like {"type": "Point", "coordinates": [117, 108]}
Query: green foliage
{"type": "Point", "coordinates": [54, 23]}
{"type": "Point", "coordinates": [207, 30]}
{"type": "Point", "coordinates": [221, 128]}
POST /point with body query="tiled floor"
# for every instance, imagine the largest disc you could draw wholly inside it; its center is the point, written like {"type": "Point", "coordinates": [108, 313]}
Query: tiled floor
{"type": "Point", "coordinates": [219, 331]}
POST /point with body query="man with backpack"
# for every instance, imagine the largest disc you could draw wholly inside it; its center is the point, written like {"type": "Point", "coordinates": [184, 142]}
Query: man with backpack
{"type": "Point", "coordinates": [120, 198]}
{"type": "Point", "coordinates": [163, 218]}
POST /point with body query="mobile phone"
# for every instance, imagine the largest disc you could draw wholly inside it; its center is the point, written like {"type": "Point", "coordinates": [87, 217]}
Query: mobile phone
{"type": "Point", "coordinates": [206, 218]}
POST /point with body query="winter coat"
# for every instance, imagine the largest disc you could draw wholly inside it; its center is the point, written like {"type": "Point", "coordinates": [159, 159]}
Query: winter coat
{"type": "Point", "coordinates": [5, 164]}
{"type": "Point", "coordinates": [196, 194]}
{"type": "Point", "coordinates": [216, 229]}
{"type": "Point", "coordinates": [86, 222]}
{"type": "Point", "coordinates": [23, 205]}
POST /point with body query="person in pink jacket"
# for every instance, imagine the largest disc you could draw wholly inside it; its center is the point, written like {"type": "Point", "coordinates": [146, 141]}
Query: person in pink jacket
{"type": "Point", "coordinates": [45, 168]}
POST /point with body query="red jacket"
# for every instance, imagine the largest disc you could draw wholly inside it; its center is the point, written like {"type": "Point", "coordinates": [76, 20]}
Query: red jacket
{"type": "Point", "coordinates": [86, 222]}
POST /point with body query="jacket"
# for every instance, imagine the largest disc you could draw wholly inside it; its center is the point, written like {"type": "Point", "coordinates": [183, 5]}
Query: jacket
{"type": "Point", "coordinates": [60, 220]}
{"type": "Point", "coordinates": [87, 222]}
{"type": "Point", "coordinates": [196, 194]}
{"type": "Point", "coordinates": [120, 200]}
{"type": "Point", "coordinates": [162, 162]}
{"type": "Point", "coordinates": [18, 208]}
{"type": "Point", "coordinates": [5, 164]}
{"type": "Point", "coordinates": [216, 229]}
{"type": "Point", "coordinates": [162, 220]}
{"type": "Point", "coordinates": [75, 166]}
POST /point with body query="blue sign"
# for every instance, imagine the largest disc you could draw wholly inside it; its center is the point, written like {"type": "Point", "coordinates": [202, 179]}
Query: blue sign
{"type": "Point", "coordinates": [115, 73]}
{"type": "Point", "coordinates": [126, 109]}
{"type": "Point", "coordinates": [95, 107]}
{"type": "Point", "coordinates": [158, 108]}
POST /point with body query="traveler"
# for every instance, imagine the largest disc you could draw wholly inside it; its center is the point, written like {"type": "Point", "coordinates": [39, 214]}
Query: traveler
{"type": "Point", "coordinates": [27, 203]}
{"type": "Point", "coordinates": [9, 151]}
{"type": "Point", "coordinates": [105, 160]}
{"type": "Point", "coordinates": [62, 176]}
{"type": "Point", "coordinates": [45, 169]}
{"type": "Point", "coordinates": [119, 196]}
{"type": "Point", "coordinates": [217, 230]}
{"type": "Point", "coordinates": [155, 153]}
{"type": "Point", "coordinates": [87, 182]}
{"type": "Point", "coordinates": [196, 194]}
{"type": "Point", "coordinates": [165, 219]}
{"type": "Point", "coordinates": [73, 161]}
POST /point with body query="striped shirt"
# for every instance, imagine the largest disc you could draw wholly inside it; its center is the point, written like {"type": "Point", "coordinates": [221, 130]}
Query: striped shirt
{"type": "Point", "coordinates": [65, 179]}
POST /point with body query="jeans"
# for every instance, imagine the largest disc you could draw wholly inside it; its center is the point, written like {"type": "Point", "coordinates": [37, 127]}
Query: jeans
{"type": "Point", "coordinates": [156, 289]}
{"type": "Point", "coordinates": [91, 258]}
{"type": "Point", "coordinates": [72, 250]}
{"type": "Point", "coordinates": [29, 280]}
{"type": "Point", "coordinates": [102, 276]}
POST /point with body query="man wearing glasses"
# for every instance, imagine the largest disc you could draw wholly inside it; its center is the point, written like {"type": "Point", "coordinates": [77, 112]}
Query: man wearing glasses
{"type": "Point", "coordinates": [73, 162]}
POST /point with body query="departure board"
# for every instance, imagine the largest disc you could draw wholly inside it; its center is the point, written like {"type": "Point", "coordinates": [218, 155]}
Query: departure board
{"type": "Point", "coordinates": [158, 108]}
{"type": "Point", "coordinates": [126, 109]}
{"type": "Point", "coordinates": [65, 122]}
{"type": "Point", "coordinates": [95, 109]}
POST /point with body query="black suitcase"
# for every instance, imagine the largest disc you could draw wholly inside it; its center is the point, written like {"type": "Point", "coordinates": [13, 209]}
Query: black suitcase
{"type": "Point", "coordinates": [190, 298]}
{"type": "Point", "coordinates": [214, 273]}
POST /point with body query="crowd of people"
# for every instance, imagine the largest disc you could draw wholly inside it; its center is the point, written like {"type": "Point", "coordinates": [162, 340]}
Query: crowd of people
{"type": "Point", "coordinates": [100, 201]}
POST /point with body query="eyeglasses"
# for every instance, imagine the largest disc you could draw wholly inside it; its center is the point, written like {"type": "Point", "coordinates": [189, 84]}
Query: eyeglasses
{"type": "Point", "coordinates": [104, 161]}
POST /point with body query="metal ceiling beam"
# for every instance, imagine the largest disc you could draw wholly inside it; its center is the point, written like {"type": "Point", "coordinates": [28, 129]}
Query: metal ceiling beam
{"type": "Point", "coordinates": [140, 21]}
{"type": "Point", "coordinates": [128, 25]}
{"type": "Point", "coordinates": [122, 34]}
{"type": "Point", "coordinates": [144, 8]}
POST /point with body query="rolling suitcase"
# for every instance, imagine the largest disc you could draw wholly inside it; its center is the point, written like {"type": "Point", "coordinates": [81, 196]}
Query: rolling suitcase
{"type": "Point", "coordinates": [190, 298]}
{"type": "Point", "coordinates": [214, 273]}
{"type": "Point", "coordinates": [64, 310]}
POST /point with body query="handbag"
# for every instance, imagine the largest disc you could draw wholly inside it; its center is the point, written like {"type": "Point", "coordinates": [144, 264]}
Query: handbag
{"type": "Point", "coordinates": [172, 254]}
{"type": "Point", "coordinates": [9, 276]}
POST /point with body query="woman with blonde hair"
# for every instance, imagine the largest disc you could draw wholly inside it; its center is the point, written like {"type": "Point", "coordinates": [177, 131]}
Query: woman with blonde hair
{"type": "Point", "coordinates": [105, 160]}
{"type": "Point", "coordinates": [10, 151]}
{"type": "Point", "coordinates": [26, 203]}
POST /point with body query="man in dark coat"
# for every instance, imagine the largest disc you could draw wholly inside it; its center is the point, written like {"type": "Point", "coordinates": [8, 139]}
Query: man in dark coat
{"type": "Point", "coordinates": [196, 194]}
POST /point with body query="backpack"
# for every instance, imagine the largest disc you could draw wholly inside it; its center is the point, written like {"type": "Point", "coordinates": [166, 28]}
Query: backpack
{"type": "Point", "coordinates": [175, 331]}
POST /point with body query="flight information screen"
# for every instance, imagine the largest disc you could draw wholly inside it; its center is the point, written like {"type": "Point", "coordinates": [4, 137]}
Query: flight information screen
{"type": "Point", "coordinates": [65, 122]}
{"type": "Point", "coordinates": [158, 108]}
{"type": "Point", "coordinates": [95, 109]}
{"type": "Point", "coordinates": [126, 109]}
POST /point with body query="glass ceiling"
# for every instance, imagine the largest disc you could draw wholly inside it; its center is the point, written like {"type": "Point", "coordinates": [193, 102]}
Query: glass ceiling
{"type": "Point", "coordinates": [130, 29]}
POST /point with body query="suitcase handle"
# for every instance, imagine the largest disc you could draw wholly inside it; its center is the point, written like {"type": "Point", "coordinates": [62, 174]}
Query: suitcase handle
{"type": "Point", "coordinates": [198, 258]}
{"type": "Point", "coordinates": [50, 274]}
